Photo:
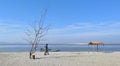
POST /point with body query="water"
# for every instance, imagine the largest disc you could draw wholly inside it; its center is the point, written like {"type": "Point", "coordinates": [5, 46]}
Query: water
{"type": "Point", "coordinates": [62, 48]}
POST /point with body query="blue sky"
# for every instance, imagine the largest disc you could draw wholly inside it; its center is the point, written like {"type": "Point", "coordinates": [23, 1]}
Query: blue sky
{"type": "Point", "coordinates": [72, 21]}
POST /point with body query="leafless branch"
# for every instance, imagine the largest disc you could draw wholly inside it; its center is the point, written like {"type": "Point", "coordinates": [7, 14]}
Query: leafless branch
{"type": "Point", "coordinates": [37, 31]}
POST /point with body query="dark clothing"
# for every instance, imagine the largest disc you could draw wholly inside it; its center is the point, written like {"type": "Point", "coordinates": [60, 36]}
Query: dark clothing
{"type": "Point", "coordinates": [46, 50]}
{"type": "Point", "coordinates": [46, 47]}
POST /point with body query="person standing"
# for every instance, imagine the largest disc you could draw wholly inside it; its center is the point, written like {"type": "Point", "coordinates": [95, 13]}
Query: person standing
{"type": "Point", "coordinates": [46, 50]}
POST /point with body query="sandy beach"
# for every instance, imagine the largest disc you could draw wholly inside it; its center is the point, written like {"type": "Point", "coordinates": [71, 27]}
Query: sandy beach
{"type": "Point", "coordinates": [60, 59]}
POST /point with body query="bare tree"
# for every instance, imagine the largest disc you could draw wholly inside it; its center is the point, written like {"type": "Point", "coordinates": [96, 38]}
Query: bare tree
{"type": "Point", "coordinates": [35, 33]}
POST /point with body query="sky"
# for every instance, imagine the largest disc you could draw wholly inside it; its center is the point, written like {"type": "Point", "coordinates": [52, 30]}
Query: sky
{"type": "Point", "coordinates": [71, 21]}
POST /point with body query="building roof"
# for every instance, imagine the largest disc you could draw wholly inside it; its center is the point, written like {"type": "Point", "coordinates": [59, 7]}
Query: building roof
{"type": "Point", "coordinates": [95, 43]}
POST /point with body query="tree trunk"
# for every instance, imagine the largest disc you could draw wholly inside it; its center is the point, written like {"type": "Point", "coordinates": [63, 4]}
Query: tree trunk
{"type": "Point", "coordinates": [30, 55]}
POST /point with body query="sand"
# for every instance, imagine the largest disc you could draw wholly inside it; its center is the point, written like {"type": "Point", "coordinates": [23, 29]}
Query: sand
{"type": "Point", "coordinates": [60, 59]}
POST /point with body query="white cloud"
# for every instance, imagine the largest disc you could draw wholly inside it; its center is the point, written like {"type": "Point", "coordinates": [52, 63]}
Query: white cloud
{"type": "Point", "coordinates": [85, 32]}
{"type": "Point", "coordinates": [75, 33]}
{"type": "Point", "coordinates": [11, 32]}
{"type": "Point", "coordinates": [88, 27]}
